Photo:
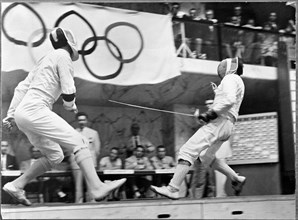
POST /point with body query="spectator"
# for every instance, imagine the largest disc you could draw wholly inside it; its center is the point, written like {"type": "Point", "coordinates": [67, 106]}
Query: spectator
{"type": "Point", "coordinates": [251, 24]}
{"type": "Point", "coordinates": [251, 43]}
{"type": "Point", "coordinates": [122, 154]}
{"type": "Point", "coordinates": [111, 162]}
{"type": "Point", "coordinates": [238, 14]}
{"type": "Point", "coordinates": [162, 161]}
{"type": "Point", "coordinates": [269, 46]}
{"type": "Point", "coordinates": [290, 28]}
{"type": "Point", "coordinates": [94, 147]}
{"type": "Point", "coordinates": [192, 15]}
{"type": "Point", "coordinates": [138, 185]}
{"type": "Point", "coordinates": [233, 41]}
{"type": "Point", "coordinates": [150, 152]}
{"type": "Point", "coordinates": [8, 160]}
{"type": "Point", "coordinates": [271, 24]}
{"type": "Point", "coordinates": [4, 148]}
{"type": "Point", "coordinates": [175, 11]}
{"type": "Point", "coordinates": [194, 43]}
{"type": "Point", "coordinates": [136, 139]}
{"type": "Point", "coordinates": [233, 21]}
{"type": "Point", "coordinates": [209, 37]}
{"type": "Point", "coordinates": [35, 154]}
{"type": "Point", "coordinates": [209, 14]}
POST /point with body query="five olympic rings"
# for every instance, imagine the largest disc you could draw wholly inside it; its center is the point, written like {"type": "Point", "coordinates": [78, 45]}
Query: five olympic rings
{"type": "Point", "coordinates": [83, 51]}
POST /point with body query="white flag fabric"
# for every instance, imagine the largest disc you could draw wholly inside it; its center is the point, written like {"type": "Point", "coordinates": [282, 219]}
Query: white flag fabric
{"type": "Point", "coordinates": [116, 46]}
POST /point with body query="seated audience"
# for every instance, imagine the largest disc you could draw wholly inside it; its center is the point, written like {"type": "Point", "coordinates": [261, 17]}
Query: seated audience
{"type": "Point", "coordinates": [137, 186]}
{"type": "Point", "coordinates": [161, 160]}
{"type": "Point", "coordinates": [111, 162]}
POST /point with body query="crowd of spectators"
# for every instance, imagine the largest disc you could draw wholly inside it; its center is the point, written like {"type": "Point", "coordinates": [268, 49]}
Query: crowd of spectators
{"type": "Point", "coordinates": [238, 35]}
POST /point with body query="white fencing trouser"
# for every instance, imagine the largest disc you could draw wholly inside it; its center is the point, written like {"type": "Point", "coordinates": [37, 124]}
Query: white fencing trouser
{"type": "Point", "coordinates": [45, 129]}
{"type": "Point", "coordinates": [209, 137]}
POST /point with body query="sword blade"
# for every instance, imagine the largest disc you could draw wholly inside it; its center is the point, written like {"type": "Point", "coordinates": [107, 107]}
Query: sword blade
{"type": "Point", "coordinates": [148, 108]}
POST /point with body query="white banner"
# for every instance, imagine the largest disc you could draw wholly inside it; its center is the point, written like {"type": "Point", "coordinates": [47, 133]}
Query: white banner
{"type": "Point", "coordinates": [116, 46]}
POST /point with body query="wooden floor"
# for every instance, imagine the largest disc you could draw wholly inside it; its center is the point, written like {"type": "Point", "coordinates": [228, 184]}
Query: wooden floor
{"type": "Point", "coordinates": [249, 207]}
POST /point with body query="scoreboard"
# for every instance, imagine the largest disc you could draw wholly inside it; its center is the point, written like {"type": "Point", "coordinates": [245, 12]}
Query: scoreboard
{"type": "Point", "coordinates": [255, 139]}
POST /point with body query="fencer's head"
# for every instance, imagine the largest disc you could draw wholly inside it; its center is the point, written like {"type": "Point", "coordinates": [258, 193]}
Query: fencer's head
{"type": "Point", "coordinates": [230, 66]}
{"type": "Point", "coordinates": [64, 38]}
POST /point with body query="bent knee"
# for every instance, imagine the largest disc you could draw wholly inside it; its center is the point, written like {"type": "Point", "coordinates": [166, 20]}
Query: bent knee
{"type": "Point", "coordinates": [20, 119]}
{"type": "Point", "coordinates": [83, 143]}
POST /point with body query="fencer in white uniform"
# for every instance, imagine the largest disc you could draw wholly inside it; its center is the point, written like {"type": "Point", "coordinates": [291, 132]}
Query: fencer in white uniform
{"type": "Point", "coordinates": [31, 109]}
{"type": "Point", "coordinates": [218, 126]}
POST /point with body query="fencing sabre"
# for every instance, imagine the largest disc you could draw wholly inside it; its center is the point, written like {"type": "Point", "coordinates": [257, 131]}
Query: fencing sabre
{"type": "Point", "coordinates": [153, 109]}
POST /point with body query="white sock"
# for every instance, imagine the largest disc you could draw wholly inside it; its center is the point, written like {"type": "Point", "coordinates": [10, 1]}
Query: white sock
{"type": "Point", "coordinates": [180, 173]}
{"type": "Point", "coordinates": [39, 167]}
{"type": "Point", "coordinates": [85, 162]}
{"type": "Point", "coordinates": [224, 168]}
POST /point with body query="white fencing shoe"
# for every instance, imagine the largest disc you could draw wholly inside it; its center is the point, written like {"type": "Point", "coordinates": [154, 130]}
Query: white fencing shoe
{"type": "Point", "coordinates": [238, 185]}
{"type": "Point", "coordinates": [17, 194]}
{"type": "Point", "coordinates": [108, 188]}
{"type": "Point", "coordinates": [165, 191]}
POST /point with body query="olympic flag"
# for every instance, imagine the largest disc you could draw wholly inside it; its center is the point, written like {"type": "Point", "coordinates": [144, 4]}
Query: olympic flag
{"type": "Point", "coordinates": [116, 46]}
